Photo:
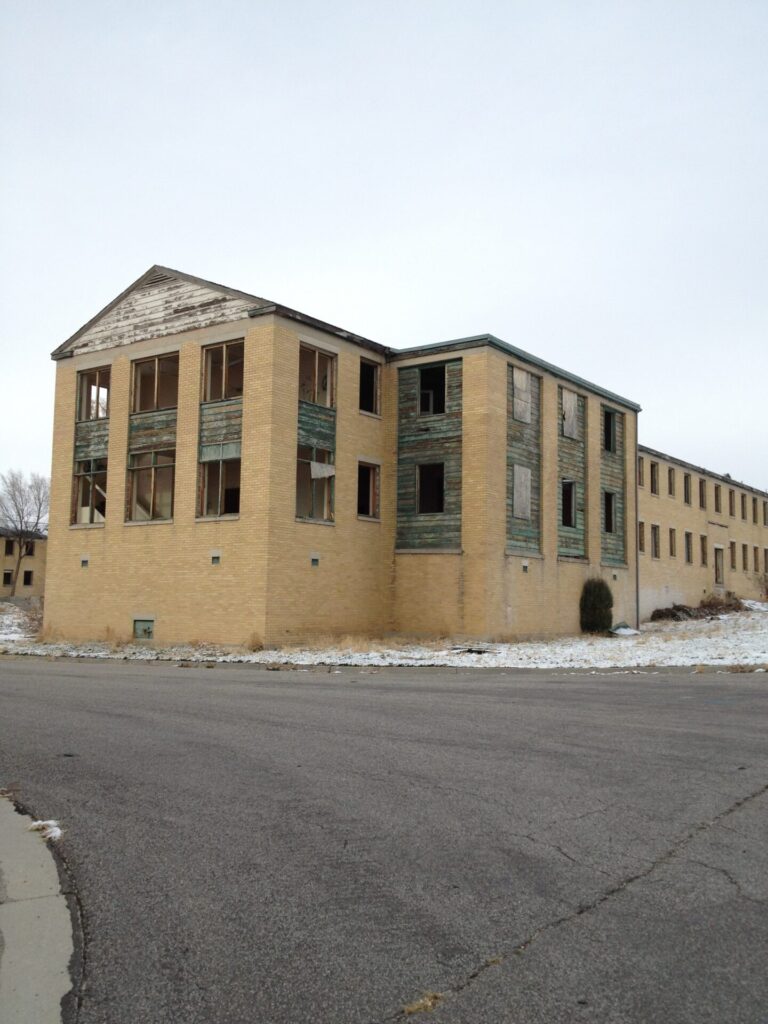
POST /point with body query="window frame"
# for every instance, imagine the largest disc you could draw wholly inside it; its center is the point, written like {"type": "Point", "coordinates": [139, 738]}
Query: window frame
{"type": "Point", "coordinates": [376, 411]}
{"type": "Point", "coordinates": [655, 541]}
{"type": "Point", "coordinates": [78, 476]}
{"type": "Point", "coordinates": [609, 430]}
{"type": "Point", "coordinates": [688, 542]}
{"type": "Point", "coordinates": [672, 542]}
{"type": "Point", "coordinates": [702, 493]}
{"type": "Point", "coordinates": [135, 391]}
{"type": "Point", "coordinates": [7, 577]}
{"type": "Point", "coordinates": [329, 485]}
{"type": "Point", "coordinates": [671, 483]}
{"type": "Point", "coordinates": [570, 485]}
{"type": "Point", "coordinates": [81, 380]}
{"type": "Point", "coordinates": [609, 512]}
{"type": "Point", "coordinates": [202, 493]}
{"type": "Point", "coordinates": [133, 476]}
{"type": "Point", "coordinates": [419, 468]}
{"type": "Point", "coordinates": [28, 578]}
{"type": "Point", "coordinates": [431, 368]}
{"type": "Point", "coordinates": [207, 352]}
{"type": "Point", "coordinates": [332, 358]}
{"type": "Point", "coordinates": [374, 490]}
{"type": "Point", "coordinates": [654, 478]}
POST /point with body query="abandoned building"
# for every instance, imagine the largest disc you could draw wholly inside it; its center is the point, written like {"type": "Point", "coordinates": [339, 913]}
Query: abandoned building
{"type": "Point", "coordinates": [698, 534]}
{"type": "Point", "coordinates": [228, 469]}
{"type": "Point", "coordinates": [31, 568]}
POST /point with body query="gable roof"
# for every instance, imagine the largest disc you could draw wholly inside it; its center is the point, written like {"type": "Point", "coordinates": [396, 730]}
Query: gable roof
{"type": "Point", "coordinates": [156, 275]}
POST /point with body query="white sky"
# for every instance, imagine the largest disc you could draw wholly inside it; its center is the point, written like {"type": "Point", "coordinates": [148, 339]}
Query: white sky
{"type": "Point", "coordinates": [586, 180]}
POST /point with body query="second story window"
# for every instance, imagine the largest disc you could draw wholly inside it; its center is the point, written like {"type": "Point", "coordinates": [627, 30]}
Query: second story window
{"type": "Point", "coordinates": [609, 430]}
{"type": "Point", "coordinates": [431, 390]}
{"type": "Point", "coordinates": [702, 493]}
{"type": "Point", "coordinates": [654, 478]}
{"type": "Point", "coordinates": [93, 394]}
{"type": "Point", "coordinates": [369, 386]}
{"type": "Point", "coordinates": [223, 371]}
{"type": "Point", "coordinates": [687, 488]}
{"type": "Point", "coordinates": [150, 485]}
{"type": "Point", "coordinates": [156, 383]}
{"type": "Point", "coordinates": [316, 377]}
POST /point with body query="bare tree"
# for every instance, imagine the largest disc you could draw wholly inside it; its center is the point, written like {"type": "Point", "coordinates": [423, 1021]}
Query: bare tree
{"type": "Point", "coordinates": [23, 512]}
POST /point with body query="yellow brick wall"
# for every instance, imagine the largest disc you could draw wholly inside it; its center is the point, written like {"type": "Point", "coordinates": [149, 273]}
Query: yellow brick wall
{"type": "Point", "coordinates": [669, 580]}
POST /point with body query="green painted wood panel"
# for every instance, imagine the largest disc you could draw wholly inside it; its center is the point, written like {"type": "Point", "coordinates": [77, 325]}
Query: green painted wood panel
{"type": "Point", "coordinates": [91, 439]}
{"type": "Point", "coordinates": [221, 422]}
{"type": "Point", "coordinates": [429, 439]}
{"type": "Point", "coordinates": [613, 479]}
{"type": "Point", "coordinates": [317, 426]}
{"type": "Point", "coordinates": [524, 449]}
{"type": "Point", "coordinates": [148, 431]}
{"type": "Point", "coordinates": [572, 465]}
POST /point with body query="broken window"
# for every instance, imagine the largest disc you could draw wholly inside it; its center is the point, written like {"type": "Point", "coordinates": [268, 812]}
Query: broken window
{"type": "Point", "coordinates": [28, 577]}
{"type": "Point", "coordinates": [93, 394]}
{"type": "Point", "coordinates": [568, 511]}
{"type": "Point", "coordinates": [641, 536]}
{"type": "Point", "coordinates": [689, 548]}
{"type": "Point", "coordinates": [609, 512]}
{"type": "Point", "coordinates": [29, 548]}
{"type": "Point", "coordinates": [223, 371]}
{"type": "Point", "coordinates": [570, 413]}
{"type": "Point", "coordinates": [369, 386]}
{"type": "Point", "coordinates": [733, 554]}
{"type": "Point", "coordinates": [640, 471]}
{"type": "Point", "coordinates": [316, 377]}
{"type": "Point", "coordinates": [431, 488]}
{"type": "Point", "coordinates": [315, 474]}
{"type": "Point", "coordinates": [367, 490]}
{"type": "Point", "coordinates": [431, 390]}
{"type": "Point", "coordinates": [7, 577]}
{"type": "Point", "coordinates": [150, 480]}
{"type": "Point", "coordinates": [90, 491]}
{"type": "Point", "coordinates": [671, 482]}
{"type": "Point", "coordinates": [521, 395]}
{"type": "Point", "coordinates": [521, 492]}
{"type": "Point", "coordinates": [687, 488]}
{"type": "Point", "coordinates": [219, 479]}
{"type": "Point", "coordinates": [609, 430]}
{"type": "Point", "coordinates": [654, 478]}
{"type": "Point", "coordinates": [702, 494]}
{"type": "Point", "coordinates": [732, 503]}
{"type": "Point", "coordinates": [703, 540]}
{"type": "Point", "coordinates": [718, 498]}
{"type": "Point", "coordinates": [8, 548]}
{"type": "Point", "coordinates": [655, 542]}
{"type": "Point", "coordinates": [672, 543]}
{"type": "Point", "coordinates": [156, 383]}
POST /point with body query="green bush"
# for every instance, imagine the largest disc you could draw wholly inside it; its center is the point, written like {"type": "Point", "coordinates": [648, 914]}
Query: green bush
{"type": "Point", "coordinates": [596, 607]}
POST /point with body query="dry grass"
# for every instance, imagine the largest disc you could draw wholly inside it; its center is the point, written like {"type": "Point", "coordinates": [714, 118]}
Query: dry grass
{"type": "Point", "coordinates": [426, 1004]}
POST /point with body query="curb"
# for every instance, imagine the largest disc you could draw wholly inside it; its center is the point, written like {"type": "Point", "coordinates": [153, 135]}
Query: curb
{"type": "Point", "coordinates": [36, 941]}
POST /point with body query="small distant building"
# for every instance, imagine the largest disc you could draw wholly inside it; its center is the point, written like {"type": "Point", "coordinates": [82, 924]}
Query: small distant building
{"type": "Point", "coordinates": [31, 582]}
{"type": "Point", "coordinates": [228, 469]}
{"type": "Point", "coordinates": [699, 534]}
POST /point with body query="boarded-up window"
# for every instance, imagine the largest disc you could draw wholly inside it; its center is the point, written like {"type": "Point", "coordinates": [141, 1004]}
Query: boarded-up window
{"type": "Point", "coordinates": [570, 413]}
{"type": "Point", "coordinates": [521, 492]}
{"type": "Point", "coordinates": [521, 397]}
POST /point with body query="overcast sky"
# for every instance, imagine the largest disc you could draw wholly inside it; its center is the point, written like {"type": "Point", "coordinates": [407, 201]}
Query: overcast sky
{"type": "Point", "coordinates": [587, 181]}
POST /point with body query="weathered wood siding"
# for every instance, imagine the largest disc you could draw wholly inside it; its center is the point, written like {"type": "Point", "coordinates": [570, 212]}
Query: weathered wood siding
{"type": "Point", "coordinates": [221, 422]}
{"type": "Point", "coordinates": [429, 439]}
{"type": "Point", "coordinates": [317, 426]}
{"type": "Point", "coordinates": [91, 439]}
{"type": "Point", "coordinates": [149, 431]}
{"type": "Point", "coordinates": [523, 449]}
{"type": "Point", "coordinates": [572, 465]}
{"type": "Point", "coordinates": [164, 305]}
{"type": "Point", "coordinates": [613, 479]}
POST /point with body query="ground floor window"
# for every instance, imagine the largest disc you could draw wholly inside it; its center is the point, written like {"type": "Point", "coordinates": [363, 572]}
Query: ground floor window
{"type": "Point", "coordinates": [315, 473]}
{"type": "Point", "coordinates": [150, 485]}
{"type": "Point", "coordinates": [367, 490]}
{"type": "Point", "coordinates": [7, 577]}
{"type": "Point", "coordinates": [220, 488]}
{"type": "Point", "coordinates": [719, 566]}
{"type": "Point", "coordinates": [28, 577]}
{"type": "Point", "coordinates": [90, 491]}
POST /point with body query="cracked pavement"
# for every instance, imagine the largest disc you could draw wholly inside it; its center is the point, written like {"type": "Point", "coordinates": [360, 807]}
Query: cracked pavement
{"type": "Point", "coordinates": [333, 846]}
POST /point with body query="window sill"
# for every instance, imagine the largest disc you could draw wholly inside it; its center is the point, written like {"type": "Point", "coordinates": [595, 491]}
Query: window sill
{"type": "Point", "coordinates": [229, 517]}
{"type": "Point", "coordinates": [220, 401]}
{"type": "Point", "coordinates": [429, 551]}
{"type": "Point", "coordinates": [315, 522]}
{"type": "Point", "coordinates": [87, 526]}
{"type": "Point", "coordinates": [370, 519]}
{"type": "Point", "coordinates": [148, 522]}
{"type": "Point", "coordinates": [94, 419]}
{"type": "Point", "coordinates": [317, 405]}
{"type": "Point", "coordinates": [370, 415]}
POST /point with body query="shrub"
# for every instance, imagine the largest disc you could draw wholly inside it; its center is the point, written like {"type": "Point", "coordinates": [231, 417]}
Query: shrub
{"type": "Point", "coordinates": [596, 606]}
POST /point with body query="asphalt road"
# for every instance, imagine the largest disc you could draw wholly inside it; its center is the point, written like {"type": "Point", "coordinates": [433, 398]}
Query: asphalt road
{"type": "Point", "coordinates": [328, 847]}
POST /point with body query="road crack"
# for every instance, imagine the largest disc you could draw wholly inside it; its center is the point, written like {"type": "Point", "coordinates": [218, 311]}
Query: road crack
{"type": "Point", "coordinates": [608, 894]}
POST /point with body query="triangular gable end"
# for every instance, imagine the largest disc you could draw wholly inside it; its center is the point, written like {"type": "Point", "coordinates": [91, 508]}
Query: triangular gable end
{"type": "Point", "coordinates": [161, 302]}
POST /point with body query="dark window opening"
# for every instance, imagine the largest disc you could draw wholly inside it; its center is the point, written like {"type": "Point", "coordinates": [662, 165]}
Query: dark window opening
{"type": "Point", "coordinates": [609, 430]}
{"type": "Point", "coordinates": [220, 488]}
{"type": "Point", "coordinates": [654, 478]}
{"type": "Point", "coordinates": [28, 577]}
{"type": "Point", "coordinates": [431, 488]}
{"type": "Point", "coordinates": [702, 493]}
{"type": "Point", "coordinates": [687, 488]}
{"type": "Point", "coordinates": [8, 548]}
{"type": "Point", "coordinates": [369, 386]}
{"type": "Point", "coordinates": [609, 509]}
{"type": "Point", "coordinates": [29, 548]}
{"type": "Point", "coordinates": [368, 490]}
{"type": "Point", "coordinates": [568, 514]}
{"type": "Point", "coordinates": [431, 390]}
{"type": "Point", "coordinates": [7, 577]}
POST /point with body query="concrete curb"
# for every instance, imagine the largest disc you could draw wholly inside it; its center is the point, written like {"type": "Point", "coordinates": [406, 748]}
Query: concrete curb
{"type": "Point", "coordinates": [36, 942]}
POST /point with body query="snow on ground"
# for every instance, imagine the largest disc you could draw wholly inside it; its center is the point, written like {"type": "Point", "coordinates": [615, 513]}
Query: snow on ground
{"type": "Point", "coordinates": [734, 639]}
